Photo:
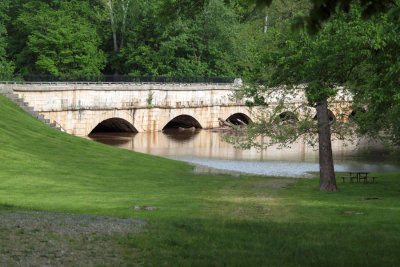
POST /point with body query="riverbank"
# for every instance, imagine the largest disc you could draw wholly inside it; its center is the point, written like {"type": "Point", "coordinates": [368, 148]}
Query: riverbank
{"type": "Point", "coordinates": [200, 220]}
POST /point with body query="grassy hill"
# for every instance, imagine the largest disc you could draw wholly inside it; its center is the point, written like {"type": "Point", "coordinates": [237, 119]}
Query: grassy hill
{"type": "Point", "coordinates": [201, 220]}
{"type": "Point", "coordinates": [50, 170]}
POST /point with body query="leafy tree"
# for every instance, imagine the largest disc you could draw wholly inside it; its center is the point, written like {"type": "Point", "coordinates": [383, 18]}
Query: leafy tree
{"type": "Point", "coordinates": [376, 87]}
{"type": "Point", "coordinates": [320, 63]}
{"type": "Point", "coordinates": [202, 45]}
{"type": "Point", "coordinates": [6, 67]}
{"type": "Point", "coordinates": [254, 41]}
{"type": "Point", "coordinates": [142, 38]}
{"type": "Point", "coordinates": [150, 37]}
{"type": "Point", "coordinates": [196, 43]}
{"type": "Point", "coordinates": [322, 10]}
{"type": "Point", "coordinates": [57, 38]}
{"type": "Point", "coordinates": [119, 13]}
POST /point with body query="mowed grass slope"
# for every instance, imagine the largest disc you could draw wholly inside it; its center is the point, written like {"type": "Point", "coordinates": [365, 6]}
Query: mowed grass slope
{"type": "Point", "coordinates": [202, 220]}
{"type": "Point", "coordinates": [42, 168]}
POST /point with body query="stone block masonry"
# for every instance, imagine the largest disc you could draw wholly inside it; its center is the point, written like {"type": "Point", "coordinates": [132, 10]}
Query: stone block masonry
{"type": "Point", "coordinates": [80, 107]}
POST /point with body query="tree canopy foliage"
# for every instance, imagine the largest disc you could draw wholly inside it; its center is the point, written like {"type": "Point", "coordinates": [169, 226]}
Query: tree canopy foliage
{"type": "Point", "coordinates": [377, 83]}
{"type": "Point", "coordinates": [348, 52]}
{"type": "Point", "coordinates": [150, 37]}
{"type": "Point", "coordinates": [57, 39]}
{"type": "Point", "coordinates": [322, 10]}
{"type": "Point", "coordinates": [6, 66]}
{"type": "Point", "coordinates": [320, 63]}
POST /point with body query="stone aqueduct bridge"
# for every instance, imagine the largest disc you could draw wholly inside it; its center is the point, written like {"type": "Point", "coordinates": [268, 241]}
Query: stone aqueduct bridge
{"type": "Point", "coordinates": [80, 107]}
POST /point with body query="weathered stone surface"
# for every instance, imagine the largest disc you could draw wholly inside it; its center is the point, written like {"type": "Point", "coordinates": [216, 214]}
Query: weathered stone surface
{"type": "Point", "coordinates": [25, 106]}
{"type": "Point", "coordinates": [79, 108]}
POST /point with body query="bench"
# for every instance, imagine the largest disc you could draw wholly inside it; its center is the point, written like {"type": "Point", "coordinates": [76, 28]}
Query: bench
{"type": "Point", "coordinates": [350, 178]}
{"type": "Point", "coordinates": [364, 176]}
{"type": "Point", "coordinates": [359, 176]}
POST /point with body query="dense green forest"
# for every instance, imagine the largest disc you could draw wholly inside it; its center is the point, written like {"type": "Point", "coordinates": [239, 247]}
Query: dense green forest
{"type": "Point", "coordinates": [139, 37]}
{"type": "Point", "coordinates": [151, 37]}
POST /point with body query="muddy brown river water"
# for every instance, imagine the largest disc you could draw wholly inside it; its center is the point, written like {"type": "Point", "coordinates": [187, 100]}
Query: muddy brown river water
{"type": "Point", "coordinates": [207, 149]}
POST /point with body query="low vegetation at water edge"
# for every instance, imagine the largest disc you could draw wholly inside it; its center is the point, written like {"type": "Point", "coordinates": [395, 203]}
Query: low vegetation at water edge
{"type": "Point", "coordinates": [70, 201]}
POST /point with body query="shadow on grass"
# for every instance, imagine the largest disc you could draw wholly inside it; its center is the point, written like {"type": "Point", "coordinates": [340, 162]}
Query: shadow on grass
{"type": "Point", "coordinates": [8, 207]}
{"type": "Point", "coordinates": [325, 229]}
{"type": "Point", "coordinates": [249, 243]}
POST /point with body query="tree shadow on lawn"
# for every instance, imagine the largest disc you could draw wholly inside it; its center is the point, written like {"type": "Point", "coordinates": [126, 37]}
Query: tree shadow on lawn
{"type": "Point", "coordinates": [250, 243]}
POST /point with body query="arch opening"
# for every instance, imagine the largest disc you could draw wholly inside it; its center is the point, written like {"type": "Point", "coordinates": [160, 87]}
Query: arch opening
{"type": "Point", "coordinates": [288, 116]}
{"type": "Point", "coordinates": [183, 122]}
{"type": "Point", "coordinates": [114, 125]}
{"type": "Point", "coordinates": [238, 119]}
{"type": "Point", "coordinates": [355, 113]}
{"type": "Point", "coordinates": [331, 116]}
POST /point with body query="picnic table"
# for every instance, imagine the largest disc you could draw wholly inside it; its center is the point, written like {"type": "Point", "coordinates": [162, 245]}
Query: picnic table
{"type": "Point", "coordinates": [358, 176]}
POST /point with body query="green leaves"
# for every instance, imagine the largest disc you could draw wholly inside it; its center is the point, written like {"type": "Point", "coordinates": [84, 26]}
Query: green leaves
{"type": "Point", "coordinates": [196, 45]}
{"type": "Point", "coordinates": [6, 67]}
{"type": "Point", "coordinates": [59, 39]}
{"type": "Point", "coordinates": [317, 63]}
{"type": "Point", "coordinates": [151, 37]}
{"type": "Point", "coordinates": [322, 10]}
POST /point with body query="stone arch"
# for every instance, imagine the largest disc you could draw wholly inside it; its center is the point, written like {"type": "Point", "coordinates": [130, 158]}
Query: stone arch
{"type": "Point", "coordinates": [114, 125]}
{"type": "Point", "coordinates": [287, 116]}
{"type": "Point", "coordinates": [238, 118]}
{"type": "Point", "coordinates": [183, 121]}
{"type": "Point", "coordinates": [331, 116]}
{"type": "Point", "coordinates": [93, 118]}
{"type": "Point", "coordinates": [354, 113]}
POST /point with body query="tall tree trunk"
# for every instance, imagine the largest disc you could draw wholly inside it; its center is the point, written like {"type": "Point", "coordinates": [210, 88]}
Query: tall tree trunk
{"type": "Point", "coordinates": [327, 180]}
{"type": "Point", "coordinates": [113, 26]}
{"type": "Point", "coordinates": [124, 8]}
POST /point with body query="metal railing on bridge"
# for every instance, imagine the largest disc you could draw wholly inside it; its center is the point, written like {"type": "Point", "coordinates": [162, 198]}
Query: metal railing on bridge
{"type": "Point", "coordinates": [45, 78]}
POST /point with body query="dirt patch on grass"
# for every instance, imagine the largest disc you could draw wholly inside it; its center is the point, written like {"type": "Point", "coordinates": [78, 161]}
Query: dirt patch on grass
{"type": "Point", "coordinates": [278, 183]}
{"type": "Point", "coordinates": [55, 239]}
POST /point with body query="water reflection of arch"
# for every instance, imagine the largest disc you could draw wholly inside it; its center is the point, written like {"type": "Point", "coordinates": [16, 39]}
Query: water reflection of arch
{"type": "Point", "coordinates": [122, 140]}
{"type": "Point", "coordinates": [114, 124]}
{"type": "Point", "coordinates": [181, 135]}
{"type": "Point", "coordinates": [182, 128]}
{"type": "Point", "coordinates": [238, 118]}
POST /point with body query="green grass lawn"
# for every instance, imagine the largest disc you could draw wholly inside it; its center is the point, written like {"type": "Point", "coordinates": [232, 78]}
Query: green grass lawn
{"type": "Point", "coordinates": [202, 220]}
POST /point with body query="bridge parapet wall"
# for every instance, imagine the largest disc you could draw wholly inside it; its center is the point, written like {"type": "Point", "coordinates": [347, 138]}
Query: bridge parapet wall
{"type": "Point", "coordinates": [85, 96]}
{"type": "Point", "coordinates": [57, 97]}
